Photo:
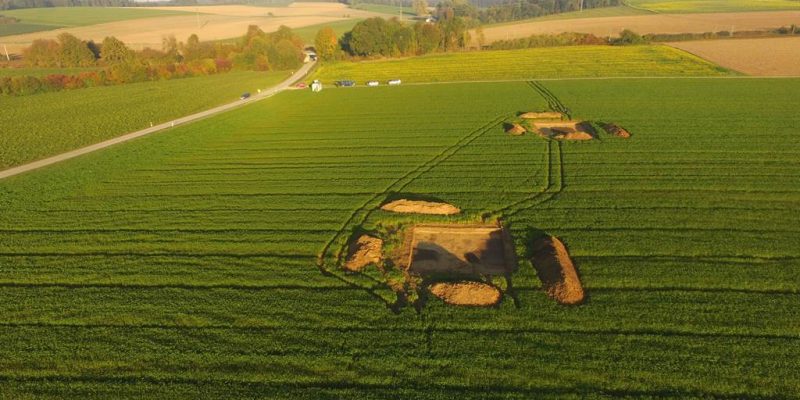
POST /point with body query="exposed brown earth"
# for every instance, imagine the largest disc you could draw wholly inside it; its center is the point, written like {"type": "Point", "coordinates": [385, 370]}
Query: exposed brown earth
{"type": "Point", "coordinates": [541, 115]}
{"type": "Point", "coordinates": [758, 57]}
{"type": "Point", "coordinates": [515, 129]}
{"type": "Point", "coordinates": [455, 249]}
{"type": "Point", "coordinates": [420, 207]}
{"type": "Point", "coordinates": [616, 130]}
{"type": "Point", "coordinates": [571, 130]}
{"type": "Point", "coordinates": [363, 252]}
{"type": "Point", "coordinates": [466, 293]}
{"type": "Point", "coordinates": [556, 271]}
{"type": "Point", "coordinates": [651, 23]}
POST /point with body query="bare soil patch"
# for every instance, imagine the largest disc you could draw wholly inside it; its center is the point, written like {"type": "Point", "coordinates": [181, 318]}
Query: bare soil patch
{"type": "Point", "coordinates": [564, 130]}
{"type": "Point", "coordinates": [420, 207]}
{"type": "Point", "coordinates": [758, 57]}
{"type": "Point", "coordinates": [456, 249]}
{"type": "Point", "coordinates": [541, 115]}
{"type": "Point", "coordinates": [650, 23]}
{"type": "Point", "coordinates": [466, 293]}
{"type": "Point", "coordinates": [556, 271]}
{"type": "Point", "coordinates": [515, 129]}
{"type": "Point", "coordinates": [364, 251]}
{"type": "Point", "coordinates": [616, 130]}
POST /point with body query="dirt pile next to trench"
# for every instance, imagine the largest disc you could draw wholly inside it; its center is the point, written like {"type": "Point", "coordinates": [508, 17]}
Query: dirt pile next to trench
{"type": "Point", "coordinates": [466, 293]}
{"type": "Point", "coordinates": [420, 207]}
{"type": "Point", "coordinates": [616, 130]}
{"type": "Point", "coordinates": [364, 251]}
{"type": "Point", "coordinates": [556, 271]}
{"type": "Point", "coordinates": [515, 129]}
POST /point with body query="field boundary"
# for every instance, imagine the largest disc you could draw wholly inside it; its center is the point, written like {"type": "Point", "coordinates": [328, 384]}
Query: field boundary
{"type": "Point", "coordinates": [20, 169]}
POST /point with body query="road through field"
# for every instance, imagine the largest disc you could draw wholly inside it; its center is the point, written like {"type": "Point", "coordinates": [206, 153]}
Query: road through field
{"type": "Point", "coordinates": [299, 74]}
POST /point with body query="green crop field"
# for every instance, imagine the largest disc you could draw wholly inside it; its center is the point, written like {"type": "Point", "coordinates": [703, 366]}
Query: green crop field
{"type": "Point", "coordinates": [184, 264]}
{"type": "Point", "coordinates": [618, 11]}
{"type": "Point", "coordinates": [42, 125]}
{"type": "Point", "coordinates": [42, 19]}
{"type": "Point", "coordinates": [308, 33]}
{"type": "Point", "coordinates": [541, 63]}
{"type": "Point", "coordinates": [708, 6]}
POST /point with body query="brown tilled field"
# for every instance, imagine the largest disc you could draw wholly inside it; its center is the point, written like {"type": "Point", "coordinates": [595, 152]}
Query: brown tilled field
{"type": "Point", "coordinates": [655, 23]}
{"type": "Point", "coordinates": [215, 22]}
{"type": "Point", "coordinates": [759, 57]}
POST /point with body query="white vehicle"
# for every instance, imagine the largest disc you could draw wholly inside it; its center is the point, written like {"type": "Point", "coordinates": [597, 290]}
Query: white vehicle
{"type": "Point", "coordinates": [316, 86]}
{"type": "Point", "coordinates": [395, 82]}
{"type": "Point", "coordinates": [373, 83]}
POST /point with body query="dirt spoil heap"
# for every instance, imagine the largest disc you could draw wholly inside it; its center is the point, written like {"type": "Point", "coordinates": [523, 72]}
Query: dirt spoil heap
{"type": "Point", "coordinates": [364, 251]}
{"type": "Point", "coordinates": [466, 293]}
{"type": "Point", "coordinates": [556, 271]}
{"type": "Point", "coordinates": [420, 207]}
{"type": "Point", "coordinates": [616, 130]}
{"type": "Point", "coordinates": [541, 115]}
{"type": "Point", "coordinates": [515, 129]}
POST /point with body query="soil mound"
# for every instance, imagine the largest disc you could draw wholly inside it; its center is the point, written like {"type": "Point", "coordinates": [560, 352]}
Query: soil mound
{"type": "Point", "coordinates": [541, 115]}
{"type": "Point", "coordinates": [616, 130]}
{"type": "Point", "coordinates": [466, 293]}
{"type": "Point", "coordinates": [574, 136]}
{"type": "Point", "coordinates": [516, 129]}
{"type": "Point", "coordinates": [420, 207]}
{"type": "Point", "coordinates": [364, 251]}
{"type": "Point", "coordinates": [556, 271]}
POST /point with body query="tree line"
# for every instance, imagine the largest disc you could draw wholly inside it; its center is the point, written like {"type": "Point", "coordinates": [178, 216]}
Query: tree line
{"type": "Point", "coordinates": [116, 63]}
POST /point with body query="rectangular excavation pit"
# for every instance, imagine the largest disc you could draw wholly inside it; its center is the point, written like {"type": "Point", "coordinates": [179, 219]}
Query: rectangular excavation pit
{"type": "Point", "coordinates": [570, 130]}
{"type": "Point", "coordinates": [460, 249]}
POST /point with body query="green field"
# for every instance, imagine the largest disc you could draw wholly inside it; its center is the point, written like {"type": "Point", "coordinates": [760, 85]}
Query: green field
{"type": "Point", "coordinates": [42, 19]}
{"type": "Point", "coordinates": [709, 6]}
{"type": "Point", "coordinates": [42, 125]}
{"type": "Point", "coordinates": [387, 9]}
{"type": "Point", "coordinates": [308, 33]}
{"type": "Point", "coordinates": [540, 63]}
{"type": "Point", "coordinates": [618, 11]}
{"type": "Point", "coordinates": [183, 264]}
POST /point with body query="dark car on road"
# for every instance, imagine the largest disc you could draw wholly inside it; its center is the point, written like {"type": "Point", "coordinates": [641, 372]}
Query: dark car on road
{"type": "Point", "coordinates": [244, 96]}
{"type": "Point", "coordinates": [346, 83]}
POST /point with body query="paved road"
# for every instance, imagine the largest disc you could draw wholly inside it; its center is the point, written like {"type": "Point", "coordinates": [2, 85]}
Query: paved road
{"type": "Point", "coordinates": [180, 121]}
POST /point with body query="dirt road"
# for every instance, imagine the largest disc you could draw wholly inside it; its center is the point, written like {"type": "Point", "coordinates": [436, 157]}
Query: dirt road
{"type": "Point", "coordinates": [170, 124]}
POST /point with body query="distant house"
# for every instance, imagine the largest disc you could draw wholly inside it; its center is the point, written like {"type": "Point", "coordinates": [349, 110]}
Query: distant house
{"type": "Point", "coordinates": [430, 19]}
{"type": "Point", "coordinates": [310, 56]}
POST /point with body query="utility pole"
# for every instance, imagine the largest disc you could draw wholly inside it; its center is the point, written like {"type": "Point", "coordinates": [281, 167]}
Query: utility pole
{"type": "Point", "coordinates": [582, 5]}
{"type": "Point", "coordinates": [8, 57]}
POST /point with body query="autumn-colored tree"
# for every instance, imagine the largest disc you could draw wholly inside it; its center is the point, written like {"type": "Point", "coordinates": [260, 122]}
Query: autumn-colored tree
{"type": "Point", "coordinates": [113, 51]}
{"type": "Point", "coordinates": [429, 37]}
{"type": "Point", "coordinates": [42, 53]}
{"type": "Point", "coordinates": [191, 49]}
{"type": "Point", "coordinates": [326, 44]}
{"type": "Point", "coordinates": [73, 52]}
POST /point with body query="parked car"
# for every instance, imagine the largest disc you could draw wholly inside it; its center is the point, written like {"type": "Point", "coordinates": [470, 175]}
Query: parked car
{"type": "Point", "coordinates": [346, 83]}
{"type": "Point", "coordinates": [373, 83]}
{"type": "Point", "coordinates": [395, 82]}
{"type": "Point", "coordinates": [244, 96]}
{"type": "Point", "coordinates": [301, 85]}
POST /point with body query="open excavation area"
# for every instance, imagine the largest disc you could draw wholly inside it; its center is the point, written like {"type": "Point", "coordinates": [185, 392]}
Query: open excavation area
{"type": "Point", "coordinates": [455, 249]}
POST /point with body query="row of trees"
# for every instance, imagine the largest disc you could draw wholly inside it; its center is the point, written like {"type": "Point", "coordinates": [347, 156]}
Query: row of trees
{"type": "Point", "coordinates": [393, 38]}
{"type": "Point", "coordinates": [117, 64]}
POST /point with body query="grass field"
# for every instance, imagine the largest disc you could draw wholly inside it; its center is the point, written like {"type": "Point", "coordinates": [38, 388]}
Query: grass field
{"type": "Point", "coordinates": [713, 6]}
{"type": "Point", "coordinates": [600, 12]}
{"type": "Point", "coordinates": [42, 19]}
{"type": "Point", "coordinates": [183, 264]}
{"type": "Point", "coordinates": [386, 9]}
{"type": "Point", "coordinates": [46, 124]}
{"type": "Point", "coordinates": [308, 33]}
{"type": "Point", "coordinates": [578, 61]}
